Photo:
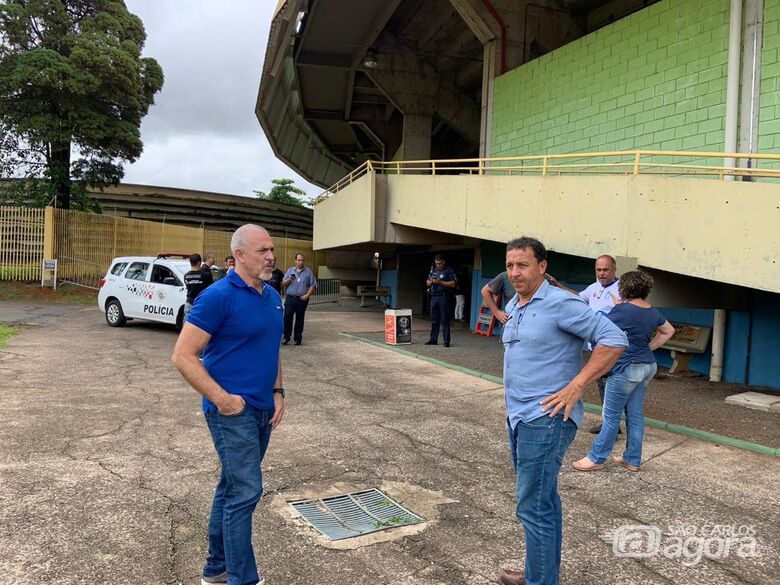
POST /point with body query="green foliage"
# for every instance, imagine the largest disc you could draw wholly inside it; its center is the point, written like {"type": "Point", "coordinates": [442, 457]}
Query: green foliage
{"type": "Point", "coordinates": [73, 91]}
{"type": "Point", "coordinates": [33, 192]}
{"type": "Point", "coordinates": [284, 191]}
{"type": "Point", "coordinates": [5, 333]}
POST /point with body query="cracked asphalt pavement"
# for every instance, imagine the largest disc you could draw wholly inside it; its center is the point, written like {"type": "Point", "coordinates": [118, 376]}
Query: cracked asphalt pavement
{"type": "Point", "coordinates": [107, 471]}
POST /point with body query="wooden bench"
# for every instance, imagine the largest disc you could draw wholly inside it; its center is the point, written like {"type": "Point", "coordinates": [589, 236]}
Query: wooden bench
{"type": "Point", "coordinates": [364, 291]}
{"type": "Point", "coordinates": [687, 340]}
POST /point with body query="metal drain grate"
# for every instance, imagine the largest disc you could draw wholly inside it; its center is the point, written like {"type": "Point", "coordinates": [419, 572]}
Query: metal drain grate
{"type": "Point", "coordinates": [355, 514]}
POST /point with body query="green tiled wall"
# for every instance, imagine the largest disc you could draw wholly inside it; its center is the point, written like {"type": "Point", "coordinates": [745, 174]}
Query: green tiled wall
{"type": "Point", "coordinates": [654, 80]}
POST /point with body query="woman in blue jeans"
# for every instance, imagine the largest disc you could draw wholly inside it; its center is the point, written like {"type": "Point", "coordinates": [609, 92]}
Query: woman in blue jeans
{"type": "Point", "coordinates": [647, 330]}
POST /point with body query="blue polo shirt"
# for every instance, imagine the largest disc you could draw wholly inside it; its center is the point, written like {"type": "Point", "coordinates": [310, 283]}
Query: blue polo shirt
{"type": "Point", "coordinates": [543, 349]}
{"type": "Point", "coordinates": [245, 327]}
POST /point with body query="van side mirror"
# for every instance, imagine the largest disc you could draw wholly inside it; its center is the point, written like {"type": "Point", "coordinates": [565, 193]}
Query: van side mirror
{"type": "Point", "coordinates": [169, 280]}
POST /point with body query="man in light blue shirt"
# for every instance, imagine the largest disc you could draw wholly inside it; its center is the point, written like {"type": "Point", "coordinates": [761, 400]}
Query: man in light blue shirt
{"type": "Point", "coordinates": [543, 385]}
{"type": "Point", "coordinates": [300, 283]}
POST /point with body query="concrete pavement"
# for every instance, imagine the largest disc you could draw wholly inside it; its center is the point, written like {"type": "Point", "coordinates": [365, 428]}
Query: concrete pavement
{"type": "Point", "coordinates": [107, 472]}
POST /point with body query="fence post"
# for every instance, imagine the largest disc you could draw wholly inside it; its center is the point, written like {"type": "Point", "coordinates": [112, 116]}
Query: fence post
{"type": "Point", "coordinates": [113, 251]}
{"type": "Point", "coordinates": [48, 233]}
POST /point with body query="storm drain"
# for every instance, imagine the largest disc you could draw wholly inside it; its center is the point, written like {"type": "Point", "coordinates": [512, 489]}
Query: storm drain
{"type": "Point", "coordinates": [355, 514]}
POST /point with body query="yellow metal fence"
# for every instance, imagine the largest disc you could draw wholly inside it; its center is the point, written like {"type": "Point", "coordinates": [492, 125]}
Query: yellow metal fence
{"type": "Point", "coordinates": [85, 243]}
{"type": "Point", "coordinates": [628, 162]}
{"type": "Point", "coordinates": [21, 243]}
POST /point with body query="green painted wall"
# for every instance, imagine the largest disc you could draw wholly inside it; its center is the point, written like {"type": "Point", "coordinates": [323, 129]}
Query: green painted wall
{"type": "Point", "coordinates": [769, 114]}
{"type": "Point", "coordinates": [653, 80]}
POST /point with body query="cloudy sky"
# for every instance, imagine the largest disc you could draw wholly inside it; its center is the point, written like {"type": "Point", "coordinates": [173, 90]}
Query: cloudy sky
{"type": "Point", "coordinates": [202, 132]}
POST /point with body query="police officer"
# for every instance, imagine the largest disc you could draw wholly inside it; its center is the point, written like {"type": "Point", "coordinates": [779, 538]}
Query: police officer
{"type": "Point", "coordinates": [441, 282]}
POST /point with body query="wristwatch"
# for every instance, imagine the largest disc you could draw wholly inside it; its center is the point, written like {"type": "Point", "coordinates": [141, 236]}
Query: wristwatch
{"type": "Point", "coordinates": [279, 391]}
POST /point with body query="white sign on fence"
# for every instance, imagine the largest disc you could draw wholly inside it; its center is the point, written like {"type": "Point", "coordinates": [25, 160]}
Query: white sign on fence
{"type": "Point", "coordinates": [51, 267]}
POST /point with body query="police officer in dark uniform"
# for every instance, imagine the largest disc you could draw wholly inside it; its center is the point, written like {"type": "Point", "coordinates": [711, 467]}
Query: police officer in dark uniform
{"type": "Point", "coordinates": [441, 283]}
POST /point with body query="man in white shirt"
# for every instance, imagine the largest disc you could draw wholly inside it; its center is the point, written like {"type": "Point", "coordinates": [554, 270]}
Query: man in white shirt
{"type": "Point", "coordinates": [601, 296]}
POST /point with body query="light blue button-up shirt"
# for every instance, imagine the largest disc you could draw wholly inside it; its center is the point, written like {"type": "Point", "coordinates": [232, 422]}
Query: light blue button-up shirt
{"type": "Point", "coordinates": [543, 349]}
{"type": "Point", "coordinates": [303, 280]}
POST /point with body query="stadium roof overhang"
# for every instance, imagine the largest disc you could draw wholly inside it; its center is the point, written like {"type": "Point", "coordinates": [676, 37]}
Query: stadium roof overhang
{"type": "Point", "coordinates": [345, 81]}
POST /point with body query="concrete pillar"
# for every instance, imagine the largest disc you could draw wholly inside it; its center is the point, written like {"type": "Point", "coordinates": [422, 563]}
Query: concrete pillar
{"type": "Point", "coordinates": [625, 264]}
{"type": "Point", "coordinates": [750, 83]}
{"type": "Point", "coordinates": [417, 136]}
{"type": "Point", "coordinates": [486, 110]}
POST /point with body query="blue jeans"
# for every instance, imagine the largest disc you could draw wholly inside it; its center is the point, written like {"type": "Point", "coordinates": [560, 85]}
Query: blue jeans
{"type": "Point", "coordinates": [538, 448]}
{"type": "Point", "coordinates": [241, 441]}
{"type": "Point", "coordinates": [625, 391]}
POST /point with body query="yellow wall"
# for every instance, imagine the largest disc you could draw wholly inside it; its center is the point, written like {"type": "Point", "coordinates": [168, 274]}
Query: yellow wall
{"type": "Point", "coordinates": [348, 217]}
{"type": "Point", "coordinates": [723, 231]}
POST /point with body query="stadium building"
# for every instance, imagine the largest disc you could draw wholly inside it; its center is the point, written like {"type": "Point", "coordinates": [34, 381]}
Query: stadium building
{"type": "Point", "coordinates": [648, 130]}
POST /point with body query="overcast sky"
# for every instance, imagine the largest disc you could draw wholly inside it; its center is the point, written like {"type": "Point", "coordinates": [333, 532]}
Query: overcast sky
{"type": "Point", "coordinates": [202, 132]}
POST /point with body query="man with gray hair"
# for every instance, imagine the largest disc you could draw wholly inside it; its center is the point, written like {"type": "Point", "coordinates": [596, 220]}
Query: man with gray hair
{"type": "Point", "coordinates": [237, 324]}
{"type": "Point", "coordinates": [543, 385]}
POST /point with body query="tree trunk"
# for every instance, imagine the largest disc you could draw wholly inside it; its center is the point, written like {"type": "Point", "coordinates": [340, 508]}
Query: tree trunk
{"type": "Point", "coordinates": [59, 168]}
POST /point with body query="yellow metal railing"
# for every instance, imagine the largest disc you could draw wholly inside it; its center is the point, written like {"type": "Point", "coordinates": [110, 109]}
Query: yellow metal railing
{"type": "Point", "coordinates": [628, 162]}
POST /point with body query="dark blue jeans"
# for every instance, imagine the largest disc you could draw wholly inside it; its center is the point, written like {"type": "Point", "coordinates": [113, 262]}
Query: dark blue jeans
{"type": "Point", "coordinates": [294, 307]}
{"type": "Point", "coordinates": [538, 448]}
{"type": "Point", "coordinates": [440, 315]}
{"type": "Point", "coordinates": [241, 441]}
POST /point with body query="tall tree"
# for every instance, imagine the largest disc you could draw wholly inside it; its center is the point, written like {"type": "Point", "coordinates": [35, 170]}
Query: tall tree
{"type": "Point", "coordinates": [283, 191]}
{"type": "Point", "coordinates": [73, 91]}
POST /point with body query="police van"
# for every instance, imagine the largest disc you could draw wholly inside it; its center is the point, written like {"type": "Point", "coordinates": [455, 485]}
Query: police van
{"type": "Point", "coordinates": [145, 287]}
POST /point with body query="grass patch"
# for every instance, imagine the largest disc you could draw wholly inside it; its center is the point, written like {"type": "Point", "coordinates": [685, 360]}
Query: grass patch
{"type": "Point", "coordinates": [32, 292]}
{"type": "Point", "coordinates": [5, 333]}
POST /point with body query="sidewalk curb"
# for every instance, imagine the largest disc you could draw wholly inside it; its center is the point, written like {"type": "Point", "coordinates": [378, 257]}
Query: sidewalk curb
{"type": "Point", "coordinates": [593, 408]}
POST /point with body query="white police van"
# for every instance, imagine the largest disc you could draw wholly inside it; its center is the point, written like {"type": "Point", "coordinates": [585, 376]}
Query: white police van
{"type": "Point", "coordinates": [145, 287]}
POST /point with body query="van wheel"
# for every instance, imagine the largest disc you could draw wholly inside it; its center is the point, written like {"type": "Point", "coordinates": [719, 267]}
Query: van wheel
{"type": "Point", "coordinates": [115, 316]}
{"type": "Point", "coordinates": [180, 319]}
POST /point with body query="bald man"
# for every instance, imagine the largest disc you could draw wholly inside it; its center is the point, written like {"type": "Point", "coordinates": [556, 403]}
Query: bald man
{"type": "Point", "coordinates": [601, 296]}
{"type": "Point", "coordinates": [237, 324]}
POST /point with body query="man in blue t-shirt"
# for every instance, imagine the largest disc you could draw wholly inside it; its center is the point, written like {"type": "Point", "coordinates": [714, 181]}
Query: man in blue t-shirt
{"type": "Point", "coordinates": [237, 324]}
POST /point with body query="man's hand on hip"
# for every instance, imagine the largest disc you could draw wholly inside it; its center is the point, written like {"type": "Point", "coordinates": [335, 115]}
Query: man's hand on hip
{"type": "Point", "coordinates": [564, 398]}
{"type": "Point", "coordinates": [231, 405]}
{"type": "Point", "coordinates": [501, 316]}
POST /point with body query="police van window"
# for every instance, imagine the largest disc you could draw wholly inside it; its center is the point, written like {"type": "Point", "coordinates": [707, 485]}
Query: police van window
{"type": "Point", "coordinates": [160, 273]}
{"type": "Point", "coordinates": [117, 268]}
{"type": "Point", "coordinates": [137, 271]}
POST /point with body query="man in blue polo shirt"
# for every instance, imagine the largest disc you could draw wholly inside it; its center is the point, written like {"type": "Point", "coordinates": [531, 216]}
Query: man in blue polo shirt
{"type": "Point", "coordinates": [237, 324]}
{"type": "Point", "coordinates": [300, 283]}
{"type": "Point", "coordinates": [543, 384]}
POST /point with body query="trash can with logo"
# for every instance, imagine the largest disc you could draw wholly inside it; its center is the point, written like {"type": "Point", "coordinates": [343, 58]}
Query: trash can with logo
{"type": "Point", "coordinates": [398, 326]}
